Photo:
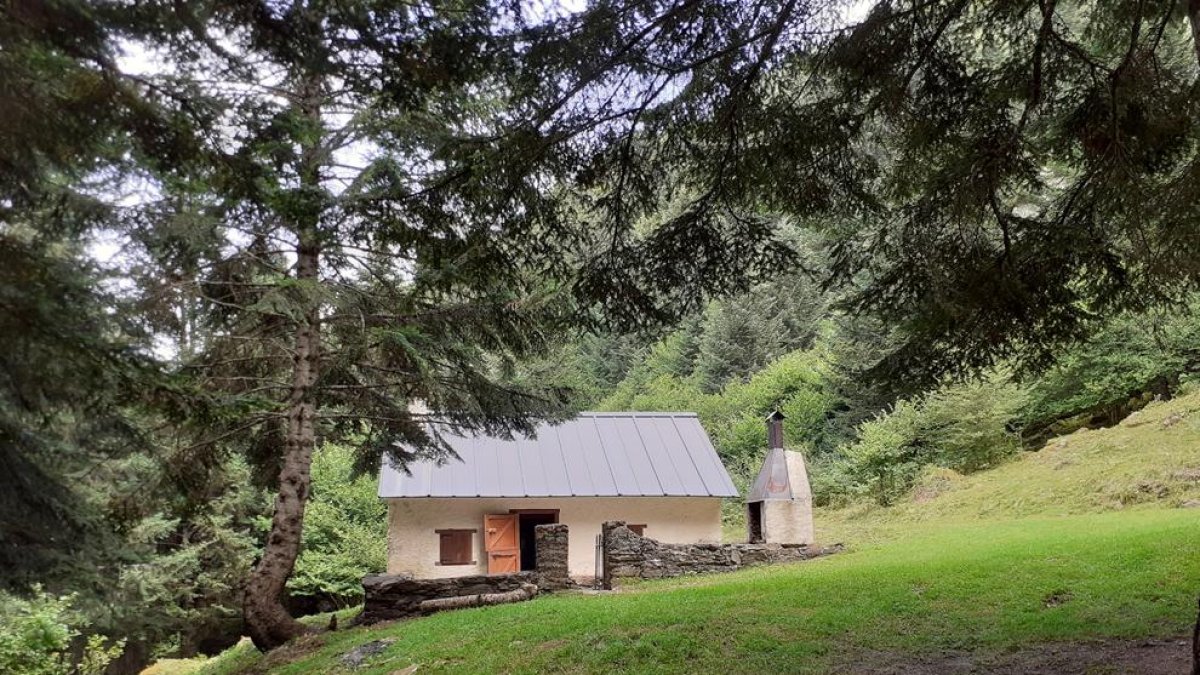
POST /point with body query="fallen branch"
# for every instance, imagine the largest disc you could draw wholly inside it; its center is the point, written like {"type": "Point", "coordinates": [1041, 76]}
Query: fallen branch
{"type": "Point", "coordinates": [525, 592]}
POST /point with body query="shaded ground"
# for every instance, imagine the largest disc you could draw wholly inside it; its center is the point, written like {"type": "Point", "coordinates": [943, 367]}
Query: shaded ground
{"type": "Point", "coordinates": [1143, 657]}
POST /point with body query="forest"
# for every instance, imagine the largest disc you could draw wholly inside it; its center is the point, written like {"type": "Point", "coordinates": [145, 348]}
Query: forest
{"type": "Point", "coordinates": [240, 239]}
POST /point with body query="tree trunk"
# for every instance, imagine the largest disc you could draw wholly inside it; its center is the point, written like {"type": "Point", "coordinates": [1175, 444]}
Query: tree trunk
{"type": "Point", "coordinates": [1193, 12]}
{"type": "Point", "coordinates": [525, 592]}
{"type": "Point", "coordinates": [267, 621]}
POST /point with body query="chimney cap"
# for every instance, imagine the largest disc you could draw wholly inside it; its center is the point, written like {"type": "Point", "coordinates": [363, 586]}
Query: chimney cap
{"type": "Point", "coordinates": [776, 416]}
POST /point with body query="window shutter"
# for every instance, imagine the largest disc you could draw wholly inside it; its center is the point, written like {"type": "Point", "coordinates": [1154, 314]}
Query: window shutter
{"type": "Point", "coordinates": [456, 547]}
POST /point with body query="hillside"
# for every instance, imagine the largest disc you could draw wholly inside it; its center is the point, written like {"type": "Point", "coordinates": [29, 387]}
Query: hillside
{"type": "Point", "coordinates": [1059, 561]}
{"type": "Point", "coordinates": [1149, 460]}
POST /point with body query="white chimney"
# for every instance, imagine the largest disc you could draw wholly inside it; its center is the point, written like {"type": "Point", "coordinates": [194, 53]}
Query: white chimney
{"type": "Point", "coordinates": [779, 506]}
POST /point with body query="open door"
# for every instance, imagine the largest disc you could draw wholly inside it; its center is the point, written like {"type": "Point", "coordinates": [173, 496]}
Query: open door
{"type": "Point", "coordinates": [754, 522]}
{"type": "Point", "coordinates": [502, 543]}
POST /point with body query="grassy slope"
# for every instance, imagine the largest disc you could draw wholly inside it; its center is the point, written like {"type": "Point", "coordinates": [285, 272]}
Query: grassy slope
{"type": "Point", "coordinates": [1151, 460]}
{"type": "Point", "coordinates": [1075, 542]}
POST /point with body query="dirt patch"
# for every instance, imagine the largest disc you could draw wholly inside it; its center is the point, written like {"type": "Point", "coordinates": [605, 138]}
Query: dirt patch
{"type": "Point", "coordinates": [1110, 657]}
{"type": "Point", "coordinates": [1171, 420]}
{"type": "Point", "coordinates": [1187, 475]}
{"type": "Point", "coordinates": [1060, 597]}
{"type": "Point", "coordinates": [281, 656]}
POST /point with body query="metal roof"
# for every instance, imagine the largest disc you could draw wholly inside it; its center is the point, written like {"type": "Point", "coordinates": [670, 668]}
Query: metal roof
{"type": "Point", "coordinates": [592, 455]}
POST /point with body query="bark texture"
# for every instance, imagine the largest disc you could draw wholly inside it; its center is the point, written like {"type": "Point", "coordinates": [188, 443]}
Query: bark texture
{"type": "Point", "coordinates": [525, 592]}
{"type": "Point", "coordinates": [267, 621]}
{"type": "Point", "coordinates": [1193, 12]}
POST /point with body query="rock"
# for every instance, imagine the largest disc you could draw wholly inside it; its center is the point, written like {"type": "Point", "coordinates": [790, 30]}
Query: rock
{"type": "Point", "coordinates": [1153, 488]}
{"type": "Point", "coordinates": [356, 657]}
{"type": "Point", "coordinates": [1190, 504]}
{"type": "Point", "coordinates": [1172, 419]}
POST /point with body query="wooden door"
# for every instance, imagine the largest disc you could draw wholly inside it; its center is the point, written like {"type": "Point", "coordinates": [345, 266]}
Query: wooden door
{"type": "Point", "coordinates": [502, 541]}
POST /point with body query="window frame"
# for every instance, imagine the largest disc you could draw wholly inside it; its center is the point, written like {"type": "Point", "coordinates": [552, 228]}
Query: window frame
{"type": "Point", "coordinates": [469, 549]}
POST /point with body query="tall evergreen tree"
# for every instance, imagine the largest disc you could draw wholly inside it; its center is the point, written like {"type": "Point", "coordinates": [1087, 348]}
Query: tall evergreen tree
{"type": "Point", "coordinates": [375, 218]}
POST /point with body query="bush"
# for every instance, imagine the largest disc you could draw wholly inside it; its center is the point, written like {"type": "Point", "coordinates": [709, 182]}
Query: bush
{"type": "Point", "coordinates": [36, 636]}
{"type": "Point", "coordinates": [965, 428]}
{"type": "Point", "coordinates": [1134, 358]}
{"type": "Point", "coordinates": [345, 530]}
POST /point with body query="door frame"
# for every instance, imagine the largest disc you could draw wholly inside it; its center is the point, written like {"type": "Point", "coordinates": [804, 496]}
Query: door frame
{"type": "Point", "coordinates": [530, 512]}
{"type": "Point", "coordinates": [538, 512]}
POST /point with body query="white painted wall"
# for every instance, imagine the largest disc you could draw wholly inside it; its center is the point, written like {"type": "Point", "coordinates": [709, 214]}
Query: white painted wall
{"type": "Point", "coordinates": [413, 544]}
{"type": "Point", "coordinates": [790, 521]}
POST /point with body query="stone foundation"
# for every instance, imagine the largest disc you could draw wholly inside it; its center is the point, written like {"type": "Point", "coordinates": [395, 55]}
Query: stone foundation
{"type": "Point", "coordinates": [551, 554]}
{"type": "Point", "coordinates": [390, 596]}
{"type": "Point", "coordinates": [628, 555]}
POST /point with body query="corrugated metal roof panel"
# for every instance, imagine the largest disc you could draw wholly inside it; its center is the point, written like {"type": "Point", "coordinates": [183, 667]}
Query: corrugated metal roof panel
{"type": "Point", "coordinates": [593, 455]}
{"type": "Point", "coordinates": [708, 464]}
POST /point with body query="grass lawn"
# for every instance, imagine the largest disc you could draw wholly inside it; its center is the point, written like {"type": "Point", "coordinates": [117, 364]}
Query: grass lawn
{"type": "Point", "coordinates": [989, 586]}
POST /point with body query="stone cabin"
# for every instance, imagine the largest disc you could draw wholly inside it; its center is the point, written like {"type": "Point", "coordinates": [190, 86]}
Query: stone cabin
{"type": "Point", "coordinates": [658, 472]}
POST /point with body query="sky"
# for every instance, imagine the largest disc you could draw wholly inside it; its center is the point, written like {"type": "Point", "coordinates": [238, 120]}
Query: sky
{"type": "Point", "coordinates": [136, 59]}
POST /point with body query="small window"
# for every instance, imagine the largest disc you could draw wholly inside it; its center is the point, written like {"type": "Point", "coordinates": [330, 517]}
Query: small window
{"type": "Point", "coordinates": [639, 530]}
{"type": "Point", "coordinates": [456, 547]}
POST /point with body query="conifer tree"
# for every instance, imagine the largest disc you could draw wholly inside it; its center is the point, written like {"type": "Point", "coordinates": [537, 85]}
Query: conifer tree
{"type": "Point", "coordinates": [377, 216]}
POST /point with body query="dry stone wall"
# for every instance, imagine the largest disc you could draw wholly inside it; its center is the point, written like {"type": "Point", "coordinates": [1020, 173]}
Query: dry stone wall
{"type": "Point", "coordinates": [625, 554]}
{"type": "Point", "coordinates": [551, 554]}
{"type": "Point", "coordinates": [394, 596]}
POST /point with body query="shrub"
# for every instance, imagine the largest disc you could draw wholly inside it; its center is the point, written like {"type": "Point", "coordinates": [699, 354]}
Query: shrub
{"type": "Point", "coordinates": [36, 636]}
{"type": "Point", "coordinates": [345, 530]}
{"type": "Point", "coordinates": [964, 427]}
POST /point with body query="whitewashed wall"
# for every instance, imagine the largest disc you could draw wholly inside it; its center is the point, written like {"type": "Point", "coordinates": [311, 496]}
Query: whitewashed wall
{"type": "Point", "coordinates": [413, 543]}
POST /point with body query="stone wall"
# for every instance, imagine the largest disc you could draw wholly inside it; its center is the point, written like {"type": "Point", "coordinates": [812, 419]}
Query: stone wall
{"type": "Point", "coordinates": [628, 555]}
{"type": "Point", "coordinates": [391, 596]}
{"type": "Point", "coordinates": [552, 554]}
